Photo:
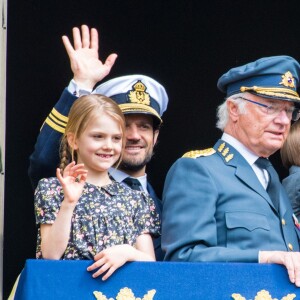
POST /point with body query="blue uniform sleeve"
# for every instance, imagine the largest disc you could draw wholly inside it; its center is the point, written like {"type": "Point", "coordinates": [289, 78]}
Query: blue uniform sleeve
{"type": "Point", "coordinates": [45, 157]}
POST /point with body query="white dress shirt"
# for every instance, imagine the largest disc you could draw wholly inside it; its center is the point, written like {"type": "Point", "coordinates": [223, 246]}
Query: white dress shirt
{"type": "Point", "coordinates": [250, 157]}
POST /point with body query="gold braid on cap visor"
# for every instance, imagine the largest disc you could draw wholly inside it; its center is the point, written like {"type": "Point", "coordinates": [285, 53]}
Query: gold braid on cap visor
{"type": "Point", "coordinates": [277, 92]}
{"type": "Point", "coordinates": [132, 107]}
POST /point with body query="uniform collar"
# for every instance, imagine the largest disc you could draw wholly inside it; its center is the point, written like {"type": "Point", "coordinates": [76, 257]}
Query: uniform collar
{"type": "Point", "coordinates": [249, 156]}
{"type": "Point", "coordinates": [119, 176]}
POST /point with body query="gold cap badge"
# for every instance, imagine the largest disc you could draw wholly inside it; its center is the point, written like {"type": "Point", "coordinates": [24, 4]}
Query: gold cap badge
{"type": "Point", "coordinates": [138, 94]}
{"type": "Point", "coordinates": [288, 80]}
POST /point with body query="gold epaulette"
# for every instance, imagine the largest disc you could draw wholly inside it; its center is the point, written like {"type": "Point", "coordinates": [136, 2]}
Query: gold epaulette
{"type": "Point", "coordinates": [198, 153]}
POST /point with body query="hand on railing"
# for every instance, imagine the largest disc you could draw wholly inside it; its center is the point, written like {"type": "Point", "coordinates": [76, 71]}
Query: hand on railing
{"type": "Point", "coordinates": [291, 260]}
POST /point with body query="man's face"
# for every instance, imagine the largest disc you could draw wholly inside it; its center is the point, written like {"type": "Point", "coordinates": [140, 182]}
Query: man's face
{"type": "Point", "coordinates": [140, 141]}
{"type": "Point", "coordinates": [259, 131]}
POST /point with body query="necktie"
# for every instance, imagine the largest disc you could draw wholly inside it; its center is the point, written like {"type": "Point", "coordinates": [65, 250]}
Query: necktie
{"type": "Point", "coordinates": [273, 188]}
{"type": "Point", "coordinates": [133, 183]}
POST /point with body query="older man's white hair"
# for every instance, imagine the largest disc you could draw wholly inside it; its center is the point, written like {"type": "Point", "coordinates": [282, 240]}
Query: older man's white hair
{"type": "Point", "coordinates": [222, 110]}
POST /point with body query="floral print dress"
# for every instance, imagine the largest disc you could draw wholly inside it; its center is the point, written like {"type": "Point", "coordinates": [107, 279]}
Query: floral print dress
{"type": "Point", "coordinates": [103, 217]}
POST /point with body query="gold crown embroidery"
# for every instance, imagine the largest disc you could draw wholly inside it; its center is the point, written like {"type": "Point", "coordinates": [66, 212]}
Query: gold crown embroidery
{"type": "Point", "coordinates": [125, 294]}
{"type": "Point", "coordinates": [138, 94]}
{"type": "Point", "coordinates": [221, 147]}
{"type": "Point", "coordinates": [263, 295]}
{"type": "Point", "coordinates": [229, 157]}
{"type": "Point", "coordinates": [197, 153]}
{"type": "Point", "coordinates": [225, 152]}
{"type": "Point", "coordinates": [288, 80]}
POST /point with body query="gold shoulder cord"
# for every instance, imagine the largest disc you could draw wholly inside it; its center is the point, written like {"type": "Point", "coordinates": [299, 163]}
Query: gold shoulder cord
{"type": "Point", "coordinates": [198, 153]}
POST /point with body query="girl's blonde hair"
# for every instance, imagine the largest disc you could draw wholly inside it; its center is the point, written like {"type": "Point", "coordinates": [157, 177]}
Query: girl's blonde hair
{"type": "Point", "coordinates": [290, 151]}
{"type": "Point", "coordinates": [83, 110]}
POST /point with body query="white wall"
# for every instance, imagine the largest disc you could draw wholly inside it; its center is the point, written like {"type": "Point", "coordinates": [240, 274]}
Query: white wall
{"type": "Point", "coordinates": [3, 20]}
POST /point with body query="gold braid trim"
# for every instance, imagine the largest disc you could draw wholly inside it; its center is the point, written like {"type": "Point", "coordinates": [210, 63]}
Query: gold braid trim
{"type": "Point", "coordinates": [198, 153]}
{"type": "Point", "coordinates": [279, 92]}
{"type": "Point", "coordinates": [130, 107]}
{"type": "Point", "coordinates": [54, 126]}
{"type": "Point", "coordinates": [53, 118]}
{"type": "Point", "coordinates": [59, 115]}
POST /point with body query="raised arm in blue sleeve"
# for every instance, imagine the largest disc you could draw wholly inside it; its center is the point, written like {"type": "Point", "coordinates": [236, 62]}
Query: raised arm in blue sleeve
{"type": "Point", "coordinates": [45, 157]}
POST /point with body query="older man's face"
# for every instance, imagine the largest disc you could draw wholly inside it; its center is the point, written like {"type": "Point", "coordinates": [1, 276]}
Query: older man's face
{"type": "Point", "coordinates": [260, 132]}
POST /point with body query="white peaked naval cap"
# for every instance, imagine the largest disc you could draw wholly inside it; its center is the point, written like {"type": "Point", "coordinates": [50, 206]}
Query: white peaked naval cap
{"type": "Point", "coordinates": [136, 94]}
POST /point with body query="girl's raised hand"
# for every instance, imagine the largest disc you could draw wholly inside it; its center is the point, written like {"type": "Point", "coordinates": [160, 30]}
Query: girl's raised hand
{"type": "Point", "coordinates": [72, 181]}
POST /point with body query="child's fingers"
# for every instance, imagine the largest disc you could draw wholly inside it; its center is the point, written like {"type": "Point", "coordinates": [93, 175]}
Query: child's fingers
{"type": "Point", "coordinates": [99, 255]}
{"type": "Point", "coordinates": [59, 176]}
{"type": "Point", "coordinates": [74, 167]}
{"type": "Point", "coordinates": [78, 173]}
{"type": "Point", "coordinates": [97, 264]}
{"type": "Point", "coordinates": [77, 170]}
{"type": "Point", "coordinates": [58, 173]}
{"type": "Point", "coordinates": [111, 270]}
{"type": "Point", "coordinates": [102, 270]}
{"type": "Point", "coordinates": [83, 177]}
{"type": "Point", "coordinates": [68, 168]}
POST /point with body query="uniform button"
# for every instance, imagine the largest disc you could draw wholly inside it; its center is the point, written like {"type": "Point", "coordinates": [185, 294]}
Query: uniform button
{"type": "Point", "coordinates": [290, 246]}
{"type": "Point", "coordinates": [283, 222]}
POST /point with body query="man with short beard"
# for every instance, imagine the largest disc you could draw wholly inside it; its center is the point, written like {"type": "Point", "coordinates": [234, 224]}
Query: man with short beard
{"type": "Point", "coordinates": [142, 99]}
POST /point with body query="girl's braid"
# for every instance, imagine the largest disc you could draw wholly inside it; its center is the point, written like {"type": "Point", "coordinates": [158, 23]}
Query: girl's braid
{"type": "Point", "coordinates": [65, 155]}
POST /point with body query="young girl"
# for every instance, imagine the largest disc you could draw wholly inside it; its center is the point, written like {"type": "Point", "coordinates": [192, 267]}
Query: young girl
{"type": "Point", "coordinates": [82, 213]}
